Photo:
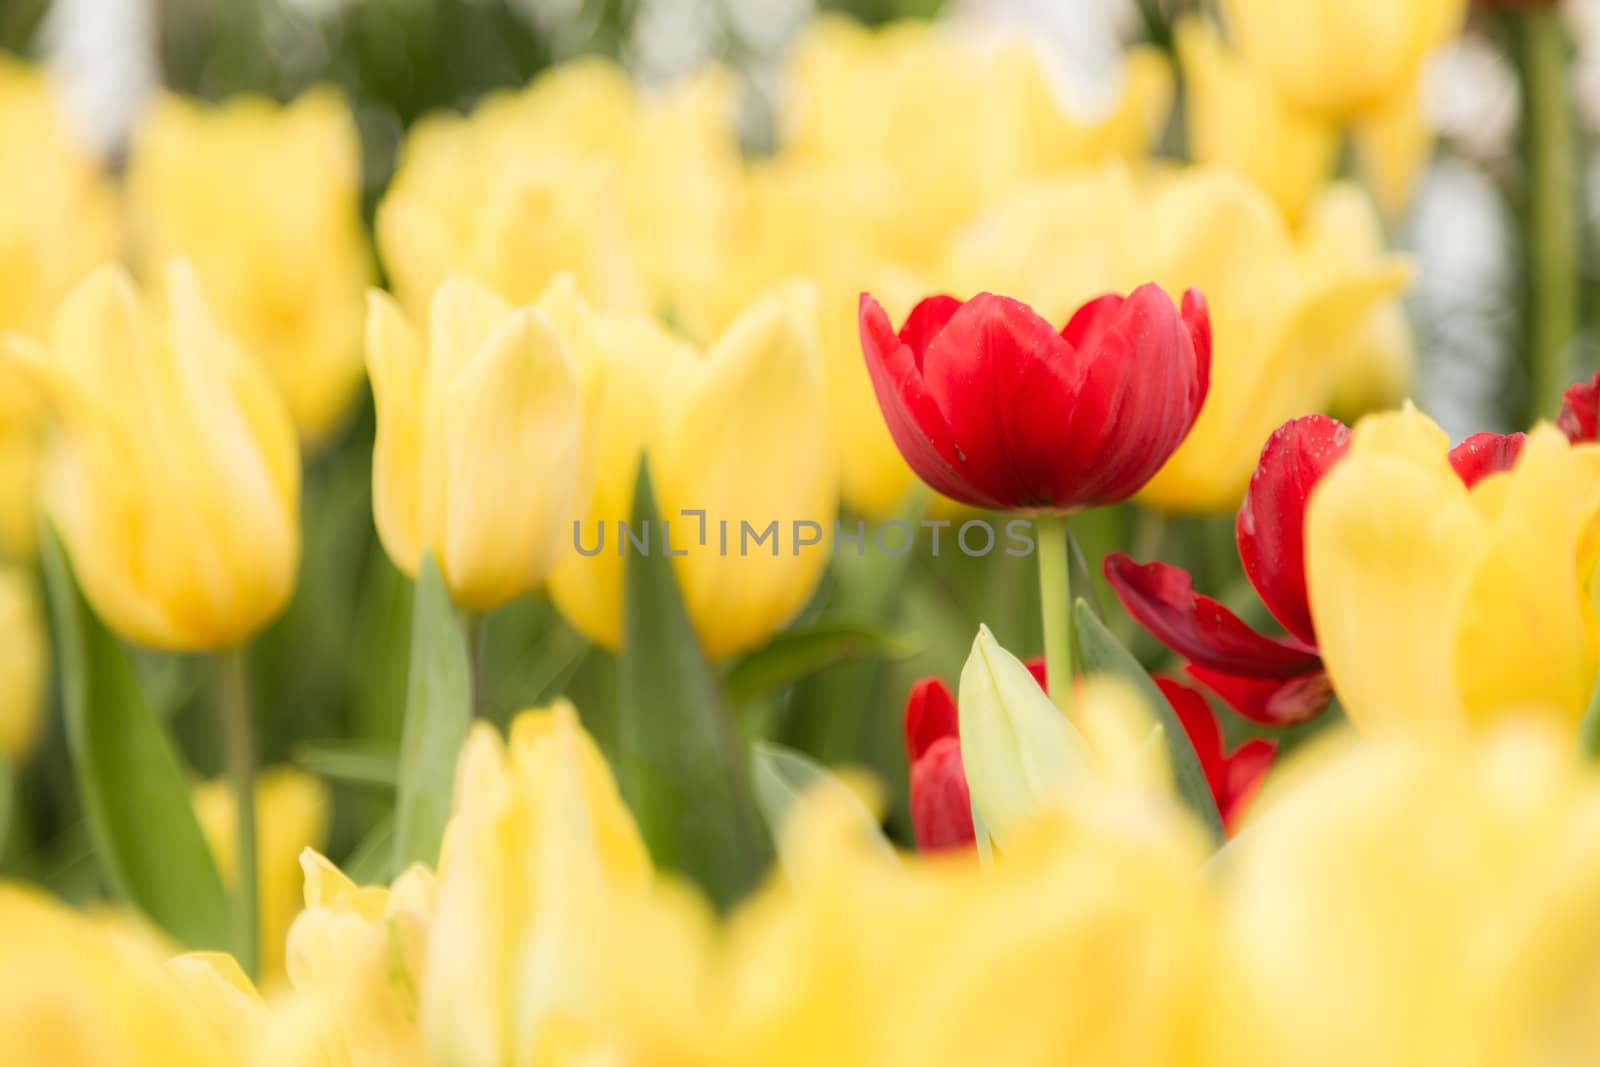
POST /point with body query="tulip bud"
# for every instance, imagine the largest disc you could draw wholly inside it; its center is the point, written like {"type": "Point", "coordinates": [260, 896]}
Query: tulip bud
{"type": "Point", "coordinates": [265, 200]}
{"type": "Point", "coordinates": [175, 481]}
{"type": "Point", "coordinates": [1020, 753]}
{"type": "Point", "coordinates": [479, 449]}
{"type": "Point", "coordinates": [23, 663]}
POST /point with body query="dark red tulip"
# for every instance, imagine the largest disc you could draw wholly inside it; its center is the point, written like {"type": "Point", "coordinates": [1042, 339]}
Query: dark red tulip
{"type": "Point", "coordinates": [1580, 411]}
{"type": "Point", "coordinates": [1233, 776]}
{"type": "Point", "coordinates": [1274, 681]}
{"type": "Point", "coordinates": [991, 406]}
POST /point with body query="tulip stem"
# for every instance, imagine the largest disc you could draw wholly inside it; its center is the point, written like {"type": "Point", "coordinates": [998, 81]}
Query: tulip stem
{"type": "Point", "coordinates": [238, 736]}
{"type": "Point", "coordinates": [1055, 598]}
{"type": "Point", "coordinates": [1551, 214]}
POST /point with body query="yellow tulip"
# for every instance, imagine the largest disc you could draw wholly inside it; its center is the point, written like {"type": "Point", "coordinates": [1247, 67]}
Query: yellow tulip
{"type": "Point", "coordinates": [265, 200]}
{"type": "Point", "coordinates": [175, 481]}
{"type": "Point", "coordinates": [359, 951]}
{"type": "Point", "coordinates": [1237, 120]}
{"type": "Point", "coordinates": [1280, 329]}
{"type": "Point", "coordinates": [1393, 147]}
{"type": "Point", "coordinates": [76, 993]}
{"type": "Point", "coordinates": [1441, 892]}
{"type": "Point", "coordinates": [634, 193]}
{"type": "Point", "coordinates": [292, 815]}
{"type": "Point", "coordinates": [59, 218]}
{"type": "Point", "coordinates": [953, 124]}
{"type": "Point", "coordinates": [1340, 234]}
{"type": "Point", "coordinates": [479, 456]}
{"type": "Point", "coordinates": [22, 429]}
{"type": "Point", "coordinates": [739, 453]}
{"type": "Point", "coordinates": [24, 661]}
{"type": "Point", "coordinates": [1438, 607]}
{"type": "Point", "coordinates": [538, 838]}
{"type": "Point", "coordinates": [1342, 57]}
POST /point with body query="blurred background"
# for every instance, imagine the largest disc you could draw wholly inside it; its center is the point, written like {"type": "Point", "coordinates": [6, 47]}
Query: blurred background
{"type": "Point", "coordinates": [331, 674]}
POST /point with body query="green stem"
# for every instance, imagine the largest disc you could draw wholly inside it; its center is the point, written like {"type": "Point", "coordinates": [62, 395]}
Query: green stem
{"type": "Point", "coordinates": [238, 736]}
{"type": "Point", "coordinates": [1552, 223]}
{"type": "Point", "coordinates": [476, 627]}
{"type": "Point", "coordinates": [1055, 599]}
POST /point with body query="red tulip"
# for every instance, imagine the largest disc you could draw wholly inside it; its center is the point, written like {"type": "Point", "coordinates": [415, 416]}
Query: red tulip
{"type": "Point", "coordinates": [1233, 776]}
{"type": "Point", "coordinates": [1274, 681]}
{"type": "Point", "coordinates": [1580, 411]}
{"type": "Point", "coordinates": [991, 406]}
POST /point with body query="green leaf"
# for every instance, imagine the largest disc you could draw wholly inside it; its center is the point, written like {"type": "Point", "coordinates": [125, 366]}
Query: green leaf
{"type": "Point", "coordinates": [372, 861]}
{"type": "Point", "coordinates": [1082, 577]}
{"type": "Point", "coordinates": [438, 715]}
{"type": "Point", "coordinates": [783, 776]}
{"type": "Point", "coordinates": [681, 764]}
{"type": "Point", "coordinates": [1102, 654]}
{"type": "Point", "coordinates": [371, 764]}
{"type": "Point", "coordinates": [793, 655]}
{"type": "Point", "coordinates": [134, 790]}
{"type": "Point", "coordinates": [1589, 729]}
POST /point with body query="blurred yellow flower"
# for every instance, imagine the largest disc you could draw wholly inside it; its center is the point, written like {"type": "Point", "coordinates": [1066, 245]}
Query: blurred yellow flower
{"type": "Point", "coordinates": [265, 200]}
{"type": "Point", "coordinates": [1237, 120]}
{"type": "Point", "coordinates": [1440, 892]}
{"type": "Point", "coordinates": [742, 466]}
{"type": "Point", "coordinates": [1342, 233]}
{"type": "Point", "coordinates": [1342, 57]}
{"type": "Point", "coordinates": [579, 172]}
{"type": "Point", "coordinates": [480, 451]}
{"type": "Point", "coordinates": [22, 430]}
{"type": "Point", "coordinates": [1283, 318]}
{"type": "Point", "coordinates": [360, 951]}
{"type": "Point", "coordinates": [175, 480]}
{"type": "Point", "coordinates": [292, 815]}
{"type": "Point", "coordinates": [1437, 607]}
{"type": "Point", "coordinates": [24, 661]}
{"type": "Point", "coordinates": [59, 216]}
{"type": "Point", "coordinates": [74, 992]}
{"type": "Point", "coordinates": [538, 838]}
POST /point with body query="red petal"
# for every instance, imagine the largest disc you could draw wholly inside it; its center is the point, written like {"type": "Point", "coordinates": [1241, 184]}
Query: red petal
{"type": "Point", "coordinates": [1268, 701]}
{"type": "Point", "coordinates": [1234, 777]}
{"type": "Point", "coordinates": [1139, 397]}
{"type": "Point", "coordinates": [1484, 454]}
{"type": "Point", "coordinates": [1163, 600]}
{"type": "Point", "coordinates": [1247, 768]}
{"type": "Point", "coordinates": [1006, 383]}
{"type": "Point", "coordinates": [1271, 524]}
{"type": "Point", "coordinates": [914, 419]}
{"type": "Point", "coordinates": [941, 805]}
{"type": "Point", "coordinates": [1197, 317]}
{"type": "Point", "coordinates": [1580, 411]}
{"type": "Point", "coordinates": [930, 715]}
{"type": "Point", "coordinates": [925, 322]}
{"type": "Point", "coordinates": [1036, 668]}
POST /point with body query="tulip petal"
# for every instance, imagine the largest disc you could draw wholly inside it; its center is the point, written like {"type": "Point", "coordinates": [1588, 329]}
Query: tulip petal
{"type": "Point", "coordinates": [1007, 385]}
{"type": "Point", "coordinates": [1271, 524]}
{"type": "Point", "coordinates": [915, 422]}
{"type": "Point", "coordinates": [941, 803]}
{"type": "Point", "coordinates": [1162, 599]}
{"type": "Point", "coordinates": [1234, 777]}
{"type": "Point", "coordinates": [1140, 392]}
{"type": "Point", "coordinates": [395, 365]}
{"type": "Point", "coordinates": [1268, 701]}
{"type": "Point", "coordinates": [1484, 454]}
{"type": "Point", "coordinates": [518, 402]}
{"type": "Point", "coordinates": [1580, 410]}
{"type": "Point", "coordinates": [927, 319]}
{"type": "Point", "coordinates": [930, 715]}
{"type": "Point", "coordinates": [1392, 542]}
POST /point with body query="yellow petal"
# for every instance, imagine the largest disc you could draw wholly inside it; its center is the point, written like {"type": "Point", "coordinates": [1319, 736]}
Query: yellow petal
{"type": "Point", "coordinates": [750, 447]}
{"type": "Point", "coordinates": [394, 361]}
{"type": "Point", "coordinates": [1392, 543]}
{"type": "Point", "coordinates": [513, 435]}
